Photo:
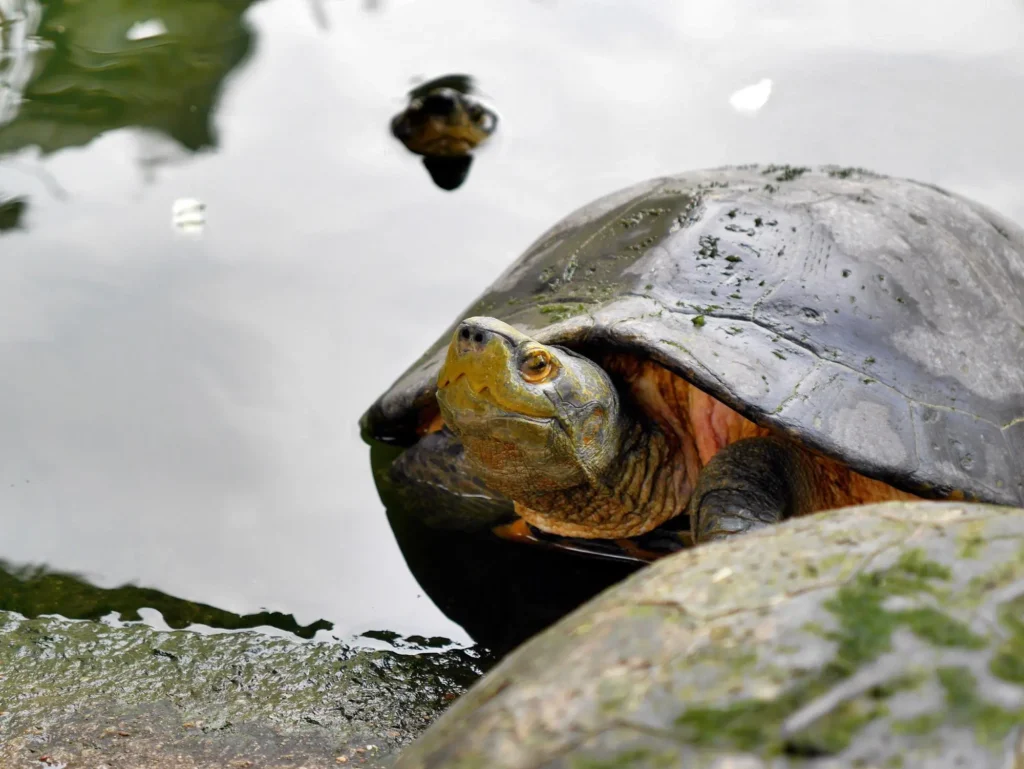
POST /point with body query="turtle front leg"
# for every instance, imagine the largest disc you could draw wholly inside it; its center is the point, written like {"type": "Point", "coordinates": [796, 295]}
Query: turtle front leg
{"type": "Point", "coordinates": [752, 483]}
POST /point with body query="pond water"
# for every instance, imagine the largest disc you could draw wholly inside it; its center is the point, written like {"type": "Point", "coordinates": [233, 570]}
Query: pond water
{"type": "Point", "coordinates": [179, 411]}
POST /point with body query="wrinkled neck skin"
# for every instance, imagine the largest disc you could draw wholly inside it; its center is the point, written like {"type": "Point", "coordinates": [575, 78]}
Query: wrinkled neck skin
{"type": "Point", "coordinates": [616, 457]}
{"type": "Point", "coordinates": [650, 483]}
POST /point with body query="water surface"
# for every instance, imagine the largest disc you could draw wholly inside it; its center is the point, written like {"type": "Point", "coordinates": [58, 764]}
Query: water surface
{"type": "Point", "coordinates": [180, 412]}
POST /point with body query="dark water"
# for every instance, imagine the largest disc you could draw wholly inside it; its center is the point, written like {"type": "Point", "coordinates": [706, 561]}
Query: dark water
{"type": "Point", "coordinates": [179, 412]}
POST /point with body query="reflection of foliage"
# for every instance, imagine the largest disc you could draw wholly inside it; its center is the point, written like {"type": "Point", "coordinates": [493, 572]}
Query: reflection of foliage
{"type": "Point", "coordinates": [34, 591]}
{"type": "Point", "coordinates": [91, 76]}
{"type": "Point", "coordinates": [11, 211]}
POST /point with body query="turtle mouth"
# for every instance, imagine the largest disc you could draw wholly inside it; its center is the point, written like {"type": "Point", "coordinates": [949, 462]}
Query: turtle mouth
{"type": "Point", "coordinates": [451, 135]}
{"type": "Point", "coordinates": [490, 423]}
{"type": "Point", "coordinates": [460, 394]}
{"type": "Point", "coordinates": [469, 388]}
{"type": "Point", "coordinates": [452, 145]}
{"type": "Point", "coordinates": [464, 402]}
{"type": "Point", "coordinates": [447, 381]}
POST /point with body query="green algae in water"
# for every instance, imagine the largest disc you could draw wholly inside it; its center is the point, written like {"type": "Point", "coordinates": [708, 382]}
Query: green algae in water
{"type": "Point", "coordinates": [35, 591]}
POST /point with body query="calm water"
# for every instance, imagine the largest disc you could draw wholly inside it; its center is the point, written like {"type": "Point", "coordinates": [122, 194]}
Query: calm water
{"type": "Point", "coordinates": [180, 412]}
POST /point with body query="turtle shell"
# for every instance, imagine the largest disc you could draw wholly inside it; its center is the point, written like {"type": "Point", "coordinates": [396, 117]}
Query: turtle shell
{"type": "Point", "coordinates": [877, 320]}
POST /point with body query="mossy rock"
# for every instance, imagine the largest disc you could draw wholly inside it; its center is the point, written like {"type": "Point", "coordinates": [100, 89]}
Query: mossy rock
{"type": "Point", "coordinates": [879, 636]}
{"type": "Point", "coordinates": [86, 695]}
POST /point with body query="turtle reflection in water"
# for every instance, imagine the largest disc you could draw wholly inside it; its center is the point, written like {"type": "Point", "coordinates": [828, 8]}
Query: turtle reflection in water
{"type": "Point", "coordinates": [729, 348]}
{"type": "Point", "coordinates": [444, 122]}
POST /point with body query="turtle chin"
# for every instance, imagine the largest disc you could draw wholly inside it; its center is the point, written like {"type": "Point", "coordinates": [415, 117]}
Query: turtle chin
{"type": "Point", "coordinates": [513, 454]}
{"type": "Point", "coordinates": [522, 456]}
{"type": "Point", "coordinates": [533, 419]}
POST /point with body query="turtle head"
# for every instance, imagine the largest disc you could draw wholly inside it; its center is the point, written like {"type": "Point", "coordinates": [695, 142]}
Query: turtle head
{"type": "Point", "coordinates": [532, 418]}
{"type": "Point", "coordinates": [443, 122]}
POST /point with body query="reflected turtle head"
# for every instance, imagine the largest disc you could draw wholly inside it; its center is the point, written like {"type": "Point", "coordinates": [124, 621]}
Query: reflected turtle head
{"type": "Point", "coordinates": [443, 122]}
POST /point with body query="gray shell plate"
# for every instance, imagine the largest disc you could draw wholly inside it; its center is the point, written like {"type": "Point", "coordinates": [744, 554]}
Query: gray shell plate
{"type": "Point", "coordinates": [878, 320]}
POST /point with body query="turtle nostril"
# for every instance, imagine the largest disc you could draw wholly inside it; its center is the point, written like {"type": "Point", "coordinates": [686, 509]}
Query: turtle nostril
{"type": "Point", "coordinates": [472, 338]}
{"type": "Point", "coordinates": [440, 104]}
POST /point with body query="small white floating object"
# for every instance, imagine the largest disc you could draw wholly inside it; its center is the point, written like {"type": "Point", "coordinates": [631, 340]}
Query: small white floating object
{"type": "Point", "coordinates": [753, 97]}
{"type": "Point", "coordinates": [188, 215]}
{"type": "Point", "coordinates": [142, 30]}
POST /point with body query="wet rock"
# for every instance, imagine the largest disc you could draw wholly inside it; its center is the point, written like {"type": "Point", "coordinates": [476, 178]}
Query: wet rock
{"type": "Point", "coordinates": [86, 695]}
{"type": "Point", "coordinates": [880, 636]}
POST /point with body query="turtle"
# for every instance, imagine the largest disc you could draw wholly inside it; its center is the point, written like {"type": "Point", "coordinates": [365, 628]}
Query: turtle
{"type": "Point", "coordinates": [722, 349]}
{"type": "Point", "coordinates": [885, 635]}
{"type": "Point", "coordinates": [445, 122]}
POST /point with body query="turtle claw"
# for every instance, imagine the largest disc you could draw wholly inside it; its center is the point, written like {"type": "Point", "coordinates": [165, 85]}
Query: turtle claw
{"type": "Point", "coordinates": [722, 515]}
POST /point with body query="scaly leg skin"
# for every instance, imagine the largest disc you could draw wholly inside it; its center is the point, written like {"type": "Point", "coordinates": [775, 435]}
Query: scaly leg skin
{"type": "Point", "coordinates": [752, 483]}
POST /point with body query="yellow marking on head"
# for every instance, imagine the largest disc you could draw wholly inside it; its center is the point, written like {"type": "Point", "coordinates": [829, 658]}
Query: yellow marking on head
{"type": "Point", "coordinates": [440, 137]}
{"type": "Point", "coordinates": [490, 375]}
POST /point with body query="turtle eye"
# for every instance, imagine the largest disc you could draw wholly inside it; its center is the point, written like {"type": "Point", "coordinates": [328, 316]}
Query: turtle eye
{"type": "Point", "coordinates": [536, 366]}
{"type": "Point", "coordinates": [485, 120]}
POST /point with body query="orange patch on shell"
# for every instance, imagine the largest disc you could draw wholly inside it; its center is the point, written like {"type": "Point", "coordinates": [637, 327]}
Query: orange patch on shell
{"type": "Point", "coordinates": [839, 486]}
{"type": "Point", "coordinates": [695, 417]}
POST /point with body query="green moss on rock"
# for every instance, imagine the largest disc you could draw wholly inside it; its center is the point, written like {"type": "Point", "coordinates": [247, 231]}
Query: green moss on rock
{"type": "Point", "coordinates": [795, 653]}
{"type": "Point", "coordinates": [989, 722]}
{"type": "Point", "coordinates": [865, 632]}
